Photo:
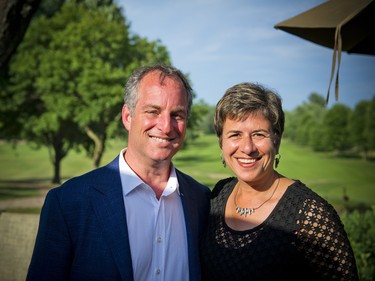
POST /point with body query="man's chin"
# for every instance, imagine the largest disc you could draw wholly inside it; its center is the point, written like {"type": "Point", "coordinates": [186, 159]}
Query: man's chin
{"type": "Point", "coordinates": [165, 154]}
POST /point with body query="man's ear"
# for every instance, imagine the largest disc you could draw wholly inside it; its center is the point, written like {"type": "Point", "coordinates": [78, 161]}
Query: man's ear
{"type": "Point", "coordinates": [126, 118]}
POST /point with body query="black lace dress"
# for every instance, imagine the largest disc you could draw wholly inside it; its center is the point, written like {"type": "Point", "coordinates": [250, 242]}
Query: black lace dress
{"type": "Point", "coordinates": [302, 239]}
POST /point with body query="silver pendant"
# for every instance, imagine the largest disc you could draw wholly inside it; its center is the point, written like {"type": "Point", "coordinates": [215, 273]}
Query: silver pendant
{"type": "Point", "coordinates": [244, 211]}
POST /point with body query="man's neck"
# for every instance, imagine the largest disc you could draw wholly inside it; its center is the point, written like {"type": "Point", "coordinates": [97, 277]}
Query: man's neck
{"type": "Point", "coordinates": [154, 173]}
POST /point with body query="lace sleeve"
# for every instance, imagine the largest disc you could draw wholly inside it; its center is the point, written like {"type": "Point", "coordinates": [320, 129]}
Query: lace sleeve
{"type": "Point", "coordinates": [324, 243]}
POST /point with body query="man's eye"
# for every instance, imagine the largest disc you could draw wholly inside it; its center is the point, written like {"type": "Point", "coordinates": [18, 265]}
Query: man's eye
{"type": "Point", "coordinates": [152, 112]}
{"type": "Point", "coordinates": [179, 117]}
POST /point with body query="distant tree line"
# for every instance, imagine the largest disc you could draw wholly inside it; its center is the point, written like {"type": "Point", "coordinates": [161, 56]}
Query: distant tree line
{"type": "Point", "coordinates": [337, 129]}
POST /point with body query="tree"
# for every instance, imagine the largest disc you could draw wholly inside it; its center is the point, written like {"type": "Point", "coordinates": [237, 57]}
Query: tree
{"type": "Point", "coordinates": [207, 123]}
{"type": "Point", "coordinates": [86, 63]}
{"type": "Point", "coordinates": [369, 131]}
{"type": "Point", "coordinates": [317, 99]}
{"type": "Point", "coordinates": [317, 111]}
{"type": "Point", "coordinates": [304, 123]}
{"type": "Point", "coordinates": [197, 113]}
{"type": "Point", "coordinates": [336, 127]}
{"type": "Point", "coordinates": [356, 126]}
{"type": "Point", "coordinates": [66, 78]}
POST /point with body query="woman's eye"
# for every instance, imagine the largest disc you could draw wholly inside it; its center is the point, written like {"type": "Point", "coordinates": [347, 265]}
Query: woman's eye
{"type": "Point", "coordinates": [233, 135]}
{"type": "Point", "coordinates": [259, 135]}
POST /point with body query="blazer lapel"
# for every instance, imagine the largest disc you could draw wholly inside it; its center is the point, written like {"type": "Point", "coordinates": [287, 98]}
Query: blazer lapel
{"type": "Point", "coordinates": [108, 203]}
{"type": "Point", "coordinates": [191, 221]}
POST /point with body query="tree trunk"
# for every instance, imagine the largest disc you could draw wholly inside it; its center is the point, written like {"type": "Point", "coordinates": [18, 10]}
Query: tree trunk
{"type": "Point", "coordinates": [56, 171]}
{"type": "Point", "coordinates": [58, 154]}
{"type": "Point", "coordinates": [15, 16]}
{"type": "Point", "coordinates": [99, 145]}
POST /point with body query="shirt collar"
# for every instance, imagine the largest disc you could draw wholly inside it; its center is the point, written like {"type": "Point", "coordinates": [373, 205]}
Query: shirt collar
{"type": "Point", "coordinates": [130, 180]}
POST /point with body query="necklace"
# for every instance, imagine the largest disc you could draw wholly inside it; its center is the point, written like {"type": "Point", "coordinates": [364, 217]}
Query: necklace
{"type": "Point", "coordinates": [249, 211]}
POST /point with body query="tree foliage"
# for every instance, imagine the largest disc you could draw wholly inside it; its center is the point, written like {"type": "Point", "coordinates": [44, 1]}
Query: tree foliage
{"type": "Point", "coordinates": [357, 126]}
{"type": "Point", "coordinates": [66, 77]}
{"type": "Point", "coordinates": [369, 128]}
{"type": "Point", "coordinates": [303, 124]}
{"type": "Point", "coordinates": [338, 128]}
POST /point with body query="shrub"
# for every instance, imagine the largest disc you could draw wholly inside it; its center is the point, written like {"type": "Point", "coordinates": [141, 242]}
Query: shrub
{"type": "Point", "coordinates": [360, 227]}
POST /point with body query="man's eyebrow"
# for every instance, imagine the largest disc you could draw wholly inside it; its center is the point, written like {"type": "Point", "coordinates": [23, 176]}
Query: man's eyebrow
{"type": "Point", "coordinates": [150, 106]}
{"type": "Point", "coordinates": [179, 109]}
{"type": "Point", "coordinates": [233, 131]}
{"type": "Point", "coordinates": [255, 131]}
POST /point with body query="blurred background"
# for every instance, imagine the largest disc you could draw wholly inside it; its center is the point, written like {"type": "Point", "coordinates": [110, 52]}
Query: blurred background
{"type": "Point", "coordinates": [63, 66]}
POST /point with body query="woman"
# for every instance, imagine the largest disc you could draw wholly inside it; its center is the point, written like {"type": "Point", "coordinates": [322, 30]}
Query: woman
{"type": "Point", "coordinates": [263, 225]}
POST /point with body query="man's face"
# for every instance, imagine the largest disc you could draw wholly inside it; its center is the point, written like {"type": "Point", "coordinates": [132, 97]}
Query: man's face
{"type": "Point", "coordinates": [157, 129]}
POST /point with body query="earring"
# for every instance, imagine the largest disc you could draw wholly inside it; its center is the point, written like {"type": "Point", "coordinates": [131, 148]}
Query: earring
{"type": "Point", "coordinates": [223, 161]}
{"type": "Point", "coordinates": [277, 160]}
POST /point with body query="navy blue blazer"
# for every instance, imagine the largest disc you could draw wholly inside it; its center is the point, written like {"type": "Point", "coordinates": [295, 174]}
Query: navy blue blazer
{"type": "Point", "coordinates": [83, 234]}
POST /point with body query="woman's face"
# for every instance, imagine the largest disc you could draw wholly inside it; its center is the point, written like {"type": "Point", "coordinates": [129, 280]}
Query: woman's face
{"type": "Point", "coordinates": [248, 148]}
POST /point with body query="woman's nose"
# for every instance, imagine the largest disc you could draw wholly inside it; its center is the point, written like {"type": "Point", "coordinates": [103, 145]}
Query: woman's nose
{"type": "Point", "coordinates": [247, 145]}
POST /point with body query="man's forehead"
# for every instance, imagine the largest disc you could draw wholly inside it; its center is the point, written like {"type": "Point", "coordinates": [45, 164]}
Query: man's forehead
{"type": "Point", "coordinates": [157, 76]}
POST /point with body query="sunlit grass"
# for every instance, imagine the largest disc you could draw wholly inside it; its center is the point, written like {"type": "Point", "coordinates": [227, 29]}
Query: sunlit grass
{"type": "Point", "coordinates": [23, 171]}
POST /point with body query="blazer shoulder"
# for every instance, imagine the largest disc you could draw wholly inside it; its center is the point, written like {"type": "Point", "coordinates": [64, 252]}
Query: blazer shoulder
{"type": "Point", "coordinates": [102, 176]}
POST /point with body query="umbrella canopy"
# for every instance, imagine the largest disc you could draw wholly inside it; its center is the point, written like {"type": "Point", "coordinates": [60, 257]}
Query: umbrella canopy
{"type": "Point", "coordinates": [343, 25]}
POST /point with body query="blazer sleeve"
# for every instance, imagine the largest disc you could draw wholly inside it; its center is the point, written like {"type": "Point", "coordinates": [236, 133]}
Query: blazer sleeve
{"type": "Point", "coordinates": [51, 259]}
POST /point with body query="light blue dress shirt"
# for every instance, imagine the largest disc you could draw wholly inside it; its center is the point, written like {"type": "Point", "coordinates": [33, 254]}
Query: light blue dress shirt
{"type": "Point", "coordinates": [157, 231]}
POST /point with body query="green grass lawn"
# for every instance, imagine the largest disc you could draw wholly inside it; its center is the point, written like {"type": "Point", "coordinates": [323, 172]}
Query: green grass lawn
{"type": "Point", "coordinates": [329, 176]}
{"type": "Point", "coordinates": [25, 171]}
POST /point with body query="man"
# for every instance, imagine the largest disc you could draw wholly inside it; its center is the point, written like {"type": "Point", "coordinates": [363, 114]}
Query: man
{"type": "Point", "coordinates": [138, 218]}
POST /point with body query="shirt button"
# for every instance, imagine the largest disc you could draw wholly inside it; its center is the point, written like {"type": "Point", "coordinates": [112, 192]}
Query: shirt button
{"type": "Point", "coordinates": [158, 240]}
{"type": "Point", "coordinates": [158, 271]}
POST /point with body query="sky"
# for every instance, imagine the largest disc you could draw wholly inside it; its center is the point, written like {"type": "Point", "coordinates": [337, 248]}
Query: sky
{"type": "Point", "coordinates": [220, 43]}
